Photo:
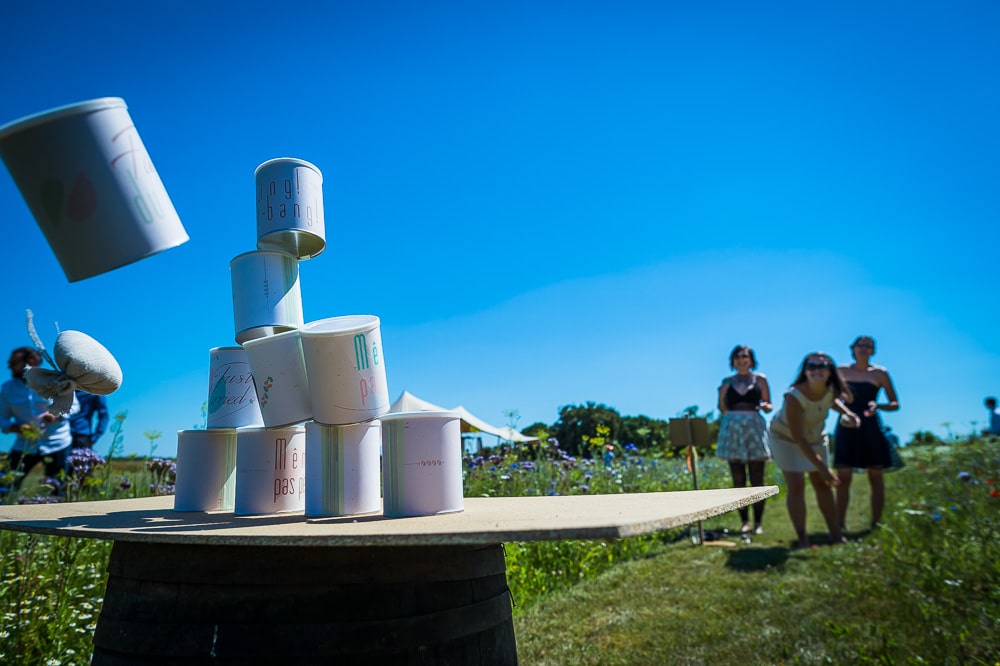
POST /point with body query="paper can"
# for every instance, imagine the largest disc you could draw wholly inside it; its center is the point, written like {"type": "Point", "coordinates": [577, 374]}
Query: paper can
{"type": "Point", "coordinates": [290, 207]}
{"type": "Point", "coordinates": [279, 372]}
{"type": "Point", "coordinates": [346, 369]}
{"type": "Point", "coordinates": [343, 468]}
{"type": "Point", "coordinates": [267, 298]}
{"type": "Point", "coordinates": [270, 470]}
{"type": "Point", "coordinates": [421, 463]}
{"type": "Point", "coordinates": [91, 186]}
{"type": "Point", "coordinates": [206, 470]}
{"type": "Point", "coordinates": [232, 400]}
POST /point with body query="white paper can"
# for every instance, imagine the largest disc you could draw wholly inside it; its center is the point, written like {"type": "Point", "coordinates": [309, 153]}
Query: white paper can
{"type": "Point", "coordinates": [346, 369]}
{"type": "Point", "coordinates": [270, 470]}
{"type": "Point", "coordinates": [91, 186]}
{"type": "Point", "coordinates": [421, 464]}
{"type": "Point", "coordinates": [343, 468]}
{"type": "Point", "coordinates": [290, 207]}
{"type": "Point", "coordinates": [206, 470]}
{"type": "Point", "coordinates": [267, 298]}
{"type": "Point", "coordinates": [232, 400]}
{"type": "Point", "coordinates": [280, 377]}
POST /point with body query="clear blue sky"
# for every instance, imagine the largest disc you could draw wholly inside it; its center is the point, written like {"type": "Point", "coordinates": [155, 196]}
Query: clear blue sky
{"type": "Point", "coordinates": [551, 202]}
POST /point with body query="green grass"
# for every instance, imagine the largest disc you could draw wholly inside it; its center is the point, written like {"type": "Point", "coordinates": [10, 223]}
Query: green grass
{"type": "Point", "coordinates": [923, 589]}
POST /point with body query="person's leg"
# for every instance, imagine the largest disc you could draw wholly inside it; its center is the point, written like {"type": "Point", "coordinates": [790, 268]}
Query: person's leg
{"type": "Point", "coordinates": [795, 486]}
{"type": "Point", "coordinates": [55, 468]}
{"type": "Point", "coordinates": [877, 482]}
{"type": "Point", "coordinates": [756, 469]}
{"type": "Point", "coordinates": [845, 474]}
{"type": "Point", "coordinates": [827, 506]}
{"type": "Point", "coordinates": [15, 462]}
{"type": "Point", "coordinates": [738, 469]}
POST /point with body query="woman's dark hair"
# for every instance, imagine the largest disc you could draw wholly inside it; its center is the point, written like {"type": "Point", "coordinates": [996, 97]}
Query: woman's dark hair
{"type": "Point", "coordinates": [835, 380]}
{"type": "Point", "coordinates": [29, 355]}
{"type": "Point", "coordinates": [736, 350]}
{"type": "Point", "coordinates": [861, 338]}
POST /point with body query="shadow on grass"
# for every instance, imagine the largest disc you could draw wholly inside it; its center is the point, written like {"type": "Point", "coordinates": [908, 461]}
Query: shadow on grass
{"type": "Point", "coordinates": [757, 559]}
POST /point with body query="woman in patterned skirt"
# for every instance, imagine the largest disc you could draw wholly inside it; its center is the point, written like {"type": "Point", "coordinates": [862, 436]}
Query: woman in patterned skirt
{"type": "Point", "coordinates": [743, 434]}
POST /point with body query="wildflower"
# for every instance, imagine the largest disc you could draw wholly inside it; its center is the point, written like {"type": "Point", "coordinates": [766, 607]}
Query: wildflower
{"type": "Point", "coordinates": [936, 516]}
{"type": "Point", "coordinates": [995, 493]}
{"type": "Point", "coordinates": [964, 476]}
{"type": "Point", "coordinates": [584, 488]}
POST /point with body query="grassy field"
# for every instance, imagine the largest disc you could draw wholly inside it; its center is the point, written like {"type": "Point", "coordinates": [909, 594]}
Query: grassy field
{"type": "Point", "coordinates": [922, 589]}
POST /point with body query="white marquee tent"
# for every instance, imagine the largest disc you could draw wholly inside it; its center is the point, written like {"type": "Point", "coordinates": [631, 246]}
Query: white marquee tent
{"type": "Point", "coordinates": [407, 402]}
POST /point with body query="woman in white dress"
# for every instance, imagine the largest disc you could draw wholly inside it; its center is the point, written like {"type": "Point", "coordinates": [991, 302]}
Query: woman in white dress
{"type": "Point", "coordinates": [799, 443]}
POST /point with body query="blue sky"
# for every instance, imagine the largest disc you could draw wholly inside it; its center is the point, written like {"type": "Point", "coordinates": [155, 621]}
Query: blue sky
{"type": "Point", "coordinates": [547, 203]}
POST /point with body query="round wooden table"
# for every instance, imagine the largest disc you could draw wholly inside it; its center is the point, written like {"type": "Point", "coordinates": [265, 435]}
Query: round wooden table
{"type": "Point", "coordinates": [214, 588]}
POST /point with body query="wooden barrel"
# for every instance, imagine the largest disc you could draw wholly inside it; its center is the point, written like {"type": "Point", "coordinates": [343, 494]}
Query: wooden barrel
{"type": "Point", "coordinates": [194, 604]}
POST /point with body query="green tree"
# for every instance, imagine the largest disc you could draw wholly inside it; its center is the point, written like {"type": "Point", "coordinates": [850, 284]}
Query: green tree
{"type": "Point", "coordinates": [578, 423]}
{"type": "Point", "coordinates": [645, 432]}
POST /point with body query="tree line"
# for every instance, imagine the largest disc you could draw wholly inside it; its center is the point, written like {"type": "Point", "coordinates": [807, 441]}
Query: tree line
{"type": "Point", "coordinates": [581, 430]}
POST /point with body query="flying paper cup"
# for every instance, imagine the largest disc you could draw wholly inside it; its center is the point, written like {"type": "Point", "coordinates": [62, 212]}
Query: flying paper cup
{"type": "Point", "coordinates": [270, 470]}
{"type": "Point", "coordinates": [232, 400]}
{"type": "Point", "coordinates": [280, 376]}
{"type": "Point", "coordinates": [346, 369]}
{"type": "Point", "coordinates": [290, 207]}
{"type": "Point", "coordinates": [91, 186]}
{"type": "Point", "coordinates": [342, 468]}
{"type": "Point", "coordinates": [206, 470]}
{"type": "Point", "coordinates": [267, 298]}
{"type": "Point", "coordinates": [421, 464]}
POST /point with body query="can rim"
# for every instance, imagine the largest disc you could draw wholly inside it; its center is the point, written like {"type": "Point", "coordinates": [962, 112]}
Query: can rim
{"type": "Point", "coordinates": [436, 413]}
{"type": "Point", "coordinates": [288, 160]}
{"type": "Point", "coordinates": [253, 342]}
{"type": "Point", "coordinates": [59, 112]}
{"type": "Point", "coordinates": [340, 325]}
{"type": "Point", "coordinates": [281, 254]}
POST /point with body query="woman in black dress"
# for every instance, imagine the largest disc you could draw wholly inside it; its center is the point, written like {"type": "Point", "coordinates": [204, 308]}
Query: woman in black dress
{"type": "Point", "coordinates": [865, 447]}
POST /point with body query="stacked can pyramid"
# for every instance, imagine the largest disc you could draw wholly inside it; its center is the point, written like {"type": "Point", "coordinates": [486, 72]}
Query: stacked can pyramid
{"type": "Point", "coordinates": [255, 455]}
